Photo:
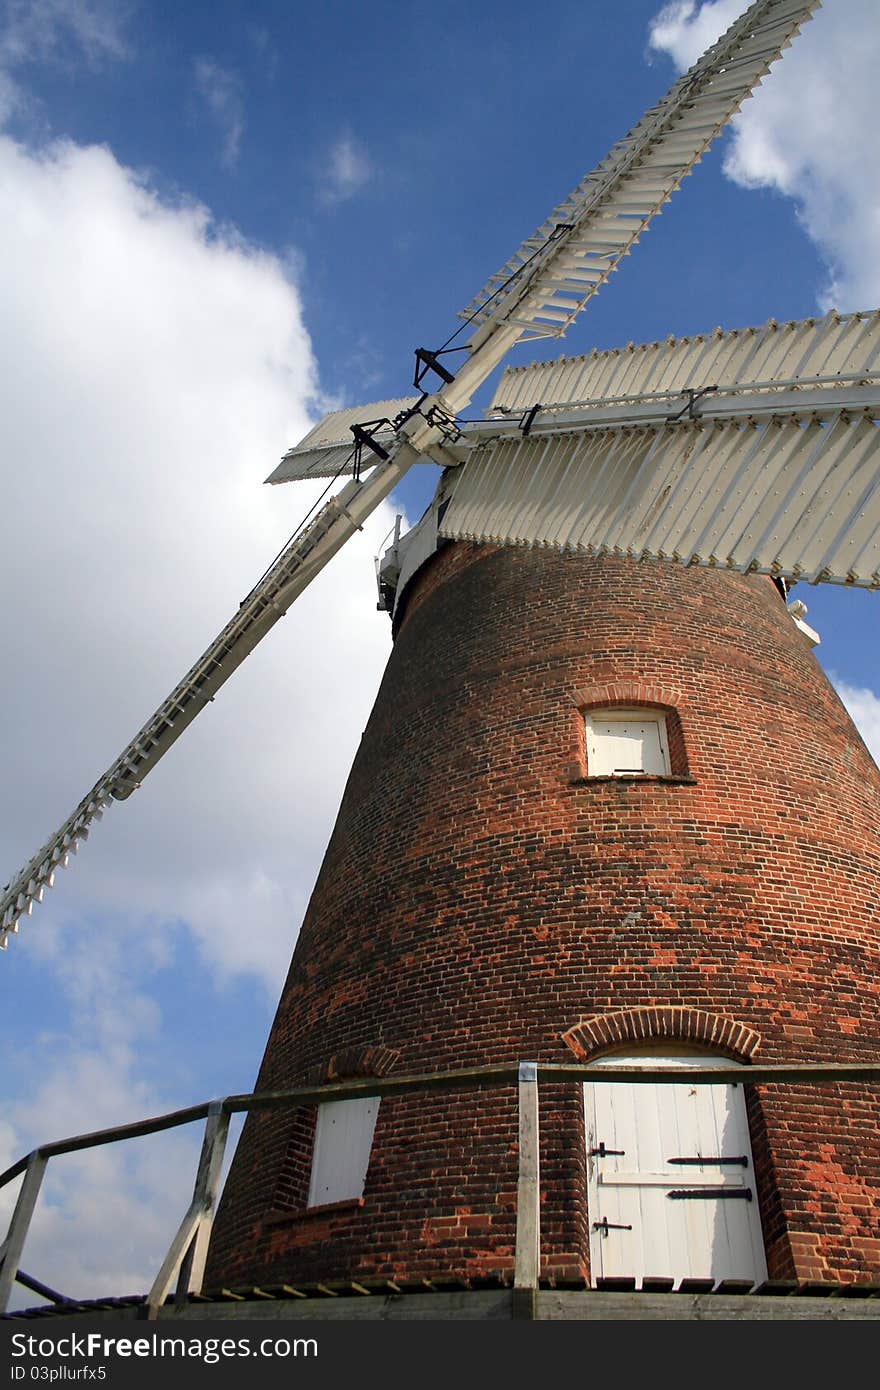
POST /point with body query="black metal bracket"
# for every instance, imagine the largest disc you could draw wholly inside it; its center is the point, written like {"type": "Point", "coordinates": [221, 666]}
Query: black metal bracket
{"type": "Point", "coordinates": [364, 438]}
{"type": "Point", "coordinates": [707, 1194]}
{"type": "Point", "coordinates": [688, 407]}
{"type": "Point", "coordinates": [402, 416]}
{"type": "Point", "coordinates": [605, 1226]}
{"type": "Point", "coordinates": [528, 419]}
{"type": "Point", "coordinates": [426, 361]}
{"type": "Point", "coordinates": [435, 416]}
{"type": "Point", "coordinates": [602, 1152]}
{"type": "Point", "coordinates": [443, 422]}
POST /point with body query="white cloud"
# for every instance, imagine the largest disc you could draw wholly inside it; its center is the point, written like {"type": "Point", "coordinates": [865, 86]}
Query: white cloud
{"type": "Point", "coordinates": [348, 169]}
{"type": "Point", "coordinates": [153, 370]}
{"type": "Point", "coordinates": [809, 132]}
{"type": "Point", "coordinates": [40, 29]}
{"type": "Point", "coordinates": [56, 31]}
{"type": "Point", "coordinates": [685, 29]}
{"type": "Point", "coordinates": [106, 1215]}
{"type": "Point", "coordinates": [864, 708]}
{"type": "Point", "coordinates": [221, 91]}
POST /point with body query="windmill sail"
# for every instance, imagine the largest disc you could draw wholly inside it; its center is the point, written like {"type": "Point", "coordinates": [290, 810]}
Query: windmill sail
{"type": "Point", "coordinates": [789, 496]}
{"type": "Point", "coordinates": [775, 470]}
{"type": "Point", "coordinates": [583, 240]}
{"type": "Point", "coordinates": [327, 451]}
{"type": "Point", "coordinates": [838, 349]}
{"type": "Point", "coordinates": [538, 293]}
{"type": "Point", "coordinates": [546, 283]}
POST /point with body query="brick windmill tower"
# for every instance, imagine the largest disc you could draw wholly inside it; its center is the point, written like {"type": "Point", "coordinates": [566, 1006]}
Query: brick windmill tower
{"type": "Point", "coordinates": [606, 809]}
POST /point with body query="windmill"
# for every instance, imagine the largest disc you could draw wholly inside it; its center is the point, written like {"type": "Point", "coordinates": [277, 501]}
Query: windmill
{"type": "Point", "coordinates": [752, 452]}
{"type": "Point", "coordinates": [537, 294]}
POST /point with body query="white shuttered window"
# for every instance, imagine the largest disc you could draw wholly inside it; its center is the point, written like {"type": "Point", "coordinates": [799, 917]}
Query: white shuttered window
{"type": "Point", "coordinates": [626, 741]}
{"type": "Point", "coordinates": [343, 1140]}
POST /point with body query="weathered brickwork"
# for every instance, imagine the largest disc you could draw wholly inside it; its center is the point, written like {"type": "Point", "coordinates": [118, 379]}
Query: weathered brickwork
{"type": "Point", "coordinates": [484, 900]}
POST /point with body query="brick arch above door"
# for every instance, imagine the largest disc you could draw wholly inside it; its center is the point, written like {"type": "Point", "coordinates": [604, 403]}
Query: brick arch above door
{"type": "Point", "coordinates": [664, 1024]}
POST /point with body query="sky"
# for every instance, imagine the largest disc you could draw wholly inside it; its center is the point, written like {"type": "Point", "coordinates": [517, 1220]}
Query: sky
{"type": "Point", "coordinates": [217, 221]}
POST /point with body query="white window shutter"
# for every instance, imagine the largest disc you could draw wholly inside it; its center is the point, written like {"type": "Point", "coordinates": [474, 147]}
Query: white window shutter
{"type": "Point", "coordinates": [343, 1140]}
{"type": "Point", "coordinates": [626, 741]}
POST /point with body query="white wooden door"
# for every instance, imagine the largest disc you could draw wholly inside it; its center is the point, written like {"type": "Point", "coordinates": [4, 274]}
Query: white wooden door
{"type": "Point", "coordinates": [671, 1184]}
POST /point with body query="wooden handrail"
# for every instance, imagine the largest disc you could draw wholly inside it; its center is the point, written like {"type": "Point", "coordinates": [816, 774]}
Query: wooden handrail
{"type": "Point", "coordinates": [503, 1074]}
{"type": "Point", "coordinates": [187, 1254]}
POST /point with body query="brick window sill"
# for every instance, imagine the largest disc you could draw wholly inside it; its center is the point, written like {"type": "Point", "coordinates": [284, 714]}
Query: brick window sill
{"type": "Point", "coordinates": [630, 779]}
{"type": "Point", "coordinates": [284, 1218]}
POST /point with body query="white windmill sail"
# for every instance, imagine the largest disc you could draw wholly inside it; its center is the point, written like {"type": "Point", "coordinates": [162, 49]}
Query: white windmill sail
{"type": "Point", "coordinates": [776, 469]}
{"type": "Point", "coordinates": [327, 451]}
{"type": "Point", "coordinates": [835, 350]}
{"type": "Point", "coordinates": [539, 292]}
{"type": "Point", "coordinates": [574, 251]}
{"type": "Point", "coordinates": [792, 497]}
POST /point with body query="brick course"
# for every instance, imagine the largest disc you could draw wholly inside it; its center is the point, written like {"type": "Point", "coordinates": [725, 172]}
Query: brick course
{"type": "Point", "coordinates": [483, 900]}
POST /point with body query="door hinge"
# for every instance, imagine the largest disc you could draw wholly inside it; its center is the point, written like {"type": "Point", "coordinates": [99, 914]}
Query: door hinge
{"type": "Point", "coordinates": [605, 1226]}
{"type": "Point", "coordinates": [741, 1160]}
{"type": "Point", "coordinates": [706, 1194]}
{"type": "Point", "coordinates": [602, 1152]}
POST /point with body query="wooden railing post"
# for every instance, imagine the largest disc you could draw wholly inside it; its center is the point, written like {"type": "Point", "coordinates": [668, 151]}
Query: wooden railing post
{"type": "Point", "coordinates": [10, 1252]}
{"type": "Point", "coordinates": [528, 1197]}
{"type": "Point", "coordinates": [189, 1249]}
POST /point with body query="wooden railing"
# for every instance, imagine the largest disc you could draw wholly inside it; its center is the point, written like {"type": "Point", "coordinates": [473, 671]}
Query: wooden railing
{"type": "Point", "coordinates": [185, 1260]}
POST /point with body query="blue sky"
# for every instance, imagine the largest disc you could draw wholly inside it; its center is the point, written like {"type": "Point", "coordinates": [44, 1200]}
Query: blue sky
{"type": "Point", "coordinates": [218, 219]}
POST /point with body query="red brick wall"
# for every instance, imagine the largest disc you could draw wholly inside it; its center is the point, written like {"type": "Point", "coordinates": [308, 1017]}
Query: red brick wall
{"type": "Point", "coordinates": [482, 900]}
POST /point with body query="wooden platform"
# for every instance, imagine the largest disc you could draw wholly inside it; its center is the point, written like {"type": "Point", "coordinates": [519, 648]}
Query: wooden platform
{"type": "Point", "coordinates": [457, 1300]}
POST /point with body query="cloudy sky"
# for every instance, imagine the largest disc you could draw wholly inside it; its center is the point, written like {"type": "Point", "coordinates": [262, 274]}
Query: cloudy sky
{"type": "Point", "coordinates": [215, 224]}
